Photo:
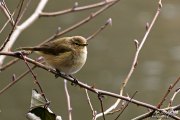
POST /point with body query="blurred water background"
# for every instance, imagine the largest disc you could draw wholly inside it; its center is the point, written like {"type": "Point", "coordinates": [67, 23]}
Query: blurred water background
{"type": "Point", "coordinates": [110, 56]}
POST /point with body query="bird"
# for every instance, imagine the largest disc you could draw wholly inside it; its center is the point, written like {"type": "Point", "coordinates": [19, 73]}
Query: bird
{"type": "Point", "coordinates": [66, 54]}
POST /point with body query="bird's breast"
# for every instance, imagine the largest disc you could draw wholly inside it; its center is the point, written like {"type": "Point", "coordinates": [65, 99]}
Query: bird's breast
{"type": "Point", "coordinates": [69, 62]}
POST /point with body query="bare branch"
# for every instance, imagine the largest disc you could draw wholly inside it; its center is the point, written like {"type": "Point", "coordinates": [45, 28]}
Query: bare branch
{"type": "Point", "coordinates": [23, 26]}
{"type": "Point", "coordinates": [100, 97]}
{"type": "Point", "coordinates": [173, 97]}
{"type": "Point", "coordinates": [14, 27]}
{"type": "Point", "coordinates": [134, 63]}
{"type": "Point", "coordinates": [15, 80]}
{"type": "Point", "coordinates": [108, 22]}
{"type": "Point", "coordinates": [148, 114]}
{"type": "Point", "coordinates": [32, 73]}
{"type": "Point", "coordinates": [85, 20]}
{"type": "Point", "coordinates": [6, 12]}
{"type": "Point", "coordinates": [90, 104]}
{"type": "Point", "coordinates": [8, 64]}
{"type": "Point", "coordinates": [70, 28]}
{"type": "Point", "coordinates": [94, 90]}
{"type": "Point", "coordinates": [125, 107]}
{"type": "Point", "coordinates": [68, 100]}
{"type": "Point", "coordinates": [75, 8]}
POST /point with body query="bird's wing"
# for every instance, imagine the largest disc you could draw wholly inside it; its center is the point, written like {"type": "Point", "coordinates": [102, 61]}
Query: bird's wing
{"type": "Point", "coordinates": [53, 49]}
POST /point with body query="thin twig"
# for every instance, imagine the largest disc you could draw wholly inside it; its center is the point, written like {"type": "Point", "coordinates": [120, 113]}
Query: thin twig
{"type": "Point", "coordinates": [8, 64]}
{"type": "Point", "coordinates": [80, 23]}
{"type": "Point", "coordinates": [167, 93]}
{"type": "Point", "coordinates": [100, 97]}
{"type": "Point", "coordinates": [68, 100]}
{"type": "Point", "coordinates": [6, 12]}
{"type": "Point", "coordinates": [140, 47]}
{"type": "Point", "coordinates": [108, 22]}
{"type": "Point", "coordinates": [25, 9]}
{"type": "Point", "coordinates": [21, 27]}
{"type": "Point", "coordinates": [134, 63]}
{"type": "Point", "coordinates": [125, 106]}
{"type": "Point", "coordinates": [5, 24]}
{"type": "Point", "coordinates": [76, 9]}
{"type": "Point", "coordinates": [16, 80]}
{"type": "Point", "coordinates": [14, 27]}
{"type": "Point", "coordinates": [34, 76]}
{"type": "Point", "coordinates": [145, 115]}
{"type": "Point", "coordinates": [173, 97]}
{"type": "Point", "coordinates": [90, 104]}
{"type": "Point", "coordinates": [12, 16]}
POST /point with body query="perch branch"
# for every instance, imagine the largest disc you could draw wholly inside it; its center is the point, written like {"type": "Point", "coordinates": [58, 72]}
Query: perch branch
{"type": "Point", "coordinates": [94, 90]}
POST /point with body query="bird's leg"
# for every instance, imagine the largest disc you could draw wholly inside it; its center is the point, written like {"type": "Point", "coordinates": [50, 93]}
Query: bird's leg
{"type": "Point", "coordinates": [75, 82]}
{"type": "Point", "coordinates": [59, 73]}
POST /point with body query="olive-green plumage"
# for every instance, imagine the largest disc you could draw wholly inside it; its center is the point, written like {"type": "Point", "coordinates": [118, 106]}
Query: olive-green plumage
{"type": "Point", "coordinates": [67, 54]}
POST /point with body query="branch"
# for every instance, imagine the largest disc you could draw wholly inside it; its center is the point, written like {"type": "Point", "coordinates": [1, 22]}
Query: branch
{"type": "Point", "coordinates": [76, 9]}
{"type": "Point", "coordinates": [90, 88]}
{"type": "Point", "coordinates": [23, 26]}
{"type": "Point", "coordinates": [134, 64]}
{"type": "Point", "coordinates": [85, 20]}
{"type": "Point", "coordinates": [13, 28]}
{"type": "Point", "coordinates": [108, 22]}
{"type": "Point", "coordinates": [90, 17]}
{"type": "Point", "coordinates": [68, 100]}
{"type": "Point", "coordinates": [15, 81]}
{"type": "Point", "coordinates": [6, 12]}
{"type": "Point", "coordinates": [125, 107]}
{"type": "Point", "coordinates": [90, 104]}
{"type": "Point", "coordinates": [173, 97]}
{"type": "Point", "coordinates": [168, 91]}
{"type": "Point", "coordinates": [100, 97]}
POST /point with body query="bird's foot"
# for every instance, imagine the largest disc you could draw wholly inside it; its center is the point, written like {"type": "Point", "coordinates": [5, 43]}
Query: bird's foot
{"type": "Point", "coordinates": [75, 82]}
{"type": "Point", "coordinates": [59, 73]}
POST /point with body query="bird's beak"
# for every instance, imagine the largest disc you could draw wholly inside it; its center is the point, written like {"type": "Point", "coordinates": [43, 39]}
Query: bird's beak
{"type": "Point", "coordinates": [85, 44]}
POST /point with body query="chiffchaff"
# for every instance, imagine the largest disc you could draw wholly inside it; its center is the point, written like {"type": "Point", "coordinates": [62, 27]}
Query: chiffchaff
{"type": "Point", "coordinates": [67, 54]}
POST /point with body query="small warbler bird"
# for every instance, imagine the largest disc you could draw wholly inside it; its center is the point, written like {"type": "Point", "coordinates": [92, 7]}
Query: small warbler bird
{"type": "Point", "coordinates": [67, 54]}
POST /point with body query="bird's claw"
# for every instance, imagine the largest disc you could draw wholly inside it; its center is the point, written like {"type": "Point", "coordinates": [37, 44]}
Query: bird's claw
{"type": "Point", "coordinates": [75, 82]}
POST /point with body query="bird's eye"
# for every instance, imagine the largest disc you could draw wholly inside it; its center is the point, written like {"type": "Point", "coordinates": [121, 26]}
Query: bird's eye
{"type": "Point", "coordinates": [76, 43]}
